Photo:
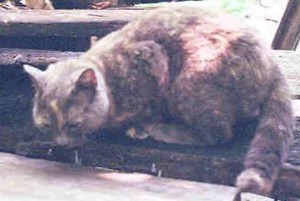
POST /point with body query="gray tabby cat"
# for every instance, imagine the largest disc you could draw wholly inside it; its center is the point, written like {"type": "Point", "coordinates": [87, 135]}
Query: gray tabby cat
{"type": "Point", "coordinates": [204, 71]}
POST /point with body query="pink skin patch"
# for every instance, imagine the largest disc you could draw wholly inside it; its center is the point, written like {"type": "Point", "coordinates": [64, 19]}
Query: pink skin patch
{"type": "Point", "coordinates": [204, 44]}
{"type": "Point", "coordinates": [202, 50]}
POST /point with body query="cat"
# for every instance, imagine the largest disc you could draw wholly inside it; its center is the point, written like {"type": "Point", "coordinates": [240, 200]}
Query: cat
{"type": "Point", "coordinates": [181, 68]}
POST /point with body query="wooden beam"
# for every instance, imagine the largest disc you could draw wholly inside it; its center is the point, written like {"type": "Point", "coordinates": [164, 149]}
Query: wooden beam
{"type": "Point", "coordinates": [63, 182]}
{"type": "Point", "coordinates": [289, 182]}
{"type": "Point", "coordinates": [288, 33]}
{"type": "Point", "coordinates": [28, 179]}
{"type": "Point", "coordinates": [288, 62]}
{"type": "Point", "coordinates": [78, 4]}
{"type": "Point", "coordinates": [16, 57]}
{"type": "Point", "coordinates": [82, 23]}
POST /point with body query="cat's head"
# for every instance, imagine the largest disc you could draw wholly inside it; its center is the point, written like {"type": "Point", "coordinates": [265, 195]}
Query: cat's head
{"type": "Point", "coordinates": [71, 100]}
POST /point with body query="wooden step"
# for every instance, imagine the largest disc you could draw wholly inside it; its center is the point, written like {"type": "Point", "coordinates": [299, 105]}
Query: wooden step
{"type": "Point", "coordinates": [34, 180]}
{"type": "Point", "coordinates": [44, 23]}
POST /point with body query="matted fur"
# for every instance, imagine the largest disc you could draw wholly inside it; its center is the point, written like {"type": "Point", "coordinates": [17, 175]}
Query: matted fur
{"type": "Point", "coordinates": [202, 72]}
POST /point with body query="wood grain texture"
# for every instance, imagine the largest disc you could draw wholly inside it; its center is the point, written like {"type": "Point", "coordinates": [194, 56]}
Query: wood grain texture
{"type": "Point", "coordinates": [288, 33]}
{"type": "Point", "coordinates": [28, 179]}
{"type": "Point", "coordinates": [64, 22]}
{"type": "Point", "coordinates": [15, 57]}
{"type": "Point", "coordinates": [289, 62]}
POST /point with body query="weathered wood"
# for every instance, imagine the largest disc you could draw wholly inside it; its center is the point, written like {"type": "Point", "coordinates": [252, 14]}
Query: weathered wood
{"type": "Point", "coordinates": [13, 57]}
{"type": "Point", "coordinates": [289, 182]}
{"type": "Point", "coordinates": [287, 60]}
{"type": "Point", "coordinates": [28, 179]}
{"type": "Point", "coordinates": [82, 23]}
{"type": "Point", "coordinates": [288, 32]}
{"type": "Point", "coordinates": [78, 4]}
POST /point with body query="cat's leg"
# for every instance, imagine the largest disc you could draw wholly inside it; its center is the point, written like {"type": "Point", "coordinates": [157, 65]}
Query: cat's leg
{"type": "Point", "coordinates": [167, 133]}
{"type": "Point", "coordinates": [206, 109]}
{"type": "Point", "coordinates": [269, 148]}
{"type": "Point", "coordinates": [151, 58]}
{"type": "Point", "coordinates": [203, 117]}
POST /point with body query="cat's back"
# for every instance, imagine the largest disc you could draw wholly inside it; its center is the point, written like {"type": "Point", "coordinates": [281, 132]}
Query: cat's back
{"type": "Point", "coordinates": [209, 48]}
{"type": "Point", "coordinates": [171, 21]}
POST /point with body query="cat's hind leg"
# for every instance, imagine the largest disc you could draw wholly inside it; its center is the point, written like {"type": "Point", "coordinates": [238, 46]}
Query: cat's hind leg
{"type": "Point", "coordinates": [269, 148]}
{"type": "Point", "coordinates": [206, 110]}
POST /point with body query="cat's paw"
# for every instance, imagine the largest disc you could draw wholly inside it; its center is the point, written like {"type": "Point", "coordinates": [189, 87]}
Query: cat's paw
{"type": "Point", "coordinates": [166, 133]}
{"type": "Point", "coordinates": [138, 132]}
{"type": "Point", "coordinates": [251, 180]}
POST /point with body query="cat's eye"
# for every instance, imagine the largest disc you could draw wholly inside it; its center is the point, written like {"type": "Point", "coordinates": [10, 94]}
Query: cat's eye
{"type": "Point", "coordinates": [46, 125]}
{"type": "Point", "coordinates": [74, 91]}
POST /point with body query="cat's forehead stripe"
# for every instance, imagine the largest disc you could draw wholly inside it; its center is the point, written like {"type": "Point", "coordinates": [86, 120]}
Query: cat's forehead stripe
{"type": "Point", "coordinates": [58, 113]}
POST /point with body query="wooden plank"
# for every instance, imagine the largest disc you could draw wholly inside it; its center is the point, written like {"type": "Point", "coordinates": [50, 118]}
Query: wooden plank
{"type": "Point", "coordinates": [288, 32]}
{"type": "Point", "coordinates": [13, 57]}
{"type": "Point", "coordinates": [28, 179]}
{"type": "Point", "coordinates": [290, 177]}
{"type": "Point", "coordinates": [78, 4]}
{"type": "Point", "coordinates": [64, 22]}
{"type": "Point", "coordinates": [287, 60]}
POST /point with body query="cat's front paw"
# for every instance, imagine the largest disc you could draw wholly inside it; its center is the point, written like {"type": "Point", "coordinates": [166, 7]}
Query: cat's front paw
{"type": "Point", "coordinates": [138, 132]}
{"type": "Point", "coordinates": [252, 180]}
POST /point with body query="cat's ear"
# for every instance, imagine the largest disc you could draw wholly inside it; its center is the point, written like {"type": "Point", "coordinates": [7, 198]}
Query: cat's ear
{"type": "Point", "coordinates": [87, 79]}
{"type": "Point", "coordinates": [35, 74]}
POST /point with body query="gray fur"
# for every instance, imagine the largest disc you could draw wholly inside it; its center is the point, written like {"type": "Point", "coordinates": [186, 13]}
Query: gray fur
{"type": "Point", "coordinates": [202, 71]}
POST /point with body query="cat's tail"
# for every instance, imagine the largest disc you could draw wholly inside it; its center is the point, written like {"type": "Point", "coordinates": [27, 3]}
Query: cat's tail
{"type": "Point", "coordinates": [269, 148]}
